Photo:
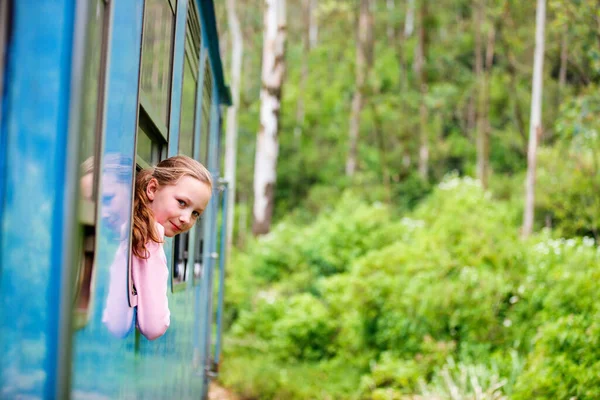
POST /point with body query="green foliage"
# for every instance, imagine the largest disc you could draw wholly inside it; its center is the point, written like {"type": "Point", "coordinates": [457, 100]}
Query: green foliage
{"type": "Point", "coordinates": [445, 299]}
{"type": "Point", "coordinates": [305, 331]}
{"type": "Point", "coordinates": [565, 361]}
{"type": "Point", "coordinates": [569, 198]}
{"type": "Point", "coordinates": [386, 285]}
{"type": "Point", "coordinates": [266, 377]}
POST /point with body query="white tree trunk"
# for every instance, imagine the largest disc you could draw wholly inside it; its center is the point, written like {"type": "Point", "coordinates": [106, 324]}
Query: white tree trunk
{"type": "Point", "coordinates": [237, 45]}
{"type": "Point", "coordinates": [409, 22]}
{"type": "Point", "coordinates": [267, 147]}
{"type": "Point", "coordinates": [390, 26]}
{"type": "Point", "coordinates": [535, 126]}
{"type": "Point", "coordinates": [313, 24]}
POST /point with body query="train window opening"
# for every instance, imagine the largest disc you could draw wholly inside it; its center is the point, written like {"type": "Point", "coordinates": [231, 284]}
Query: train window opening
{"type": "Point", "coordinates": [157, 57]}
{"type": "Point", "coordinates": [199, 251]}
{"type": "Point", "coordinates": [206, 111]}
{"type": "Point", "coordinates": [190, 85]}
{"type": "Point", "coordinates": [186, 131]}
{"type": "Point", "coordinates": [180, 270]}
{"type": "Point", "coordinates": [188, 106]}
{"type": "Point", "coordinates": [150, 147]}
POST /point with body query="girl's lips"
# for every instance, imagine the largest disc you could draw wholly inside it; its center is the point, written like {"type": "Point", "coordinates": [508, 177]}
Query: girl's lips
{"type": "Point", "coordinates": [175, 226]}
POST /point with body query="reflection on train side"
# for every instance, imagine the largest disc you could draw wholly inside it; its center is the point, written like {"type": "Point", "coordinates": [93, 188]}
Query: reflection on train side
{"type": "Point", "coordinates": [117, 315]}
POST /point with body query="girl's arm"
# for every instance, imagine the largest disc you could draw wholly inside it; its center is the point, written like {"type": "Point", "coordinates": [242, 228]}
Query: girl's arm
{"type": "Point", "coordinates": [117, 315]}
{"type": "Point", "coordinates": [150, 277]}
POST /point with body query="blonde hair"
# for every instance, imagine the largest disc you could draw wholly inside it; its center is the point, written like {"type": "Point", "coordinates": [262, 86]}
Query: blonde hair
{"type": "Point", "coordinates": [167, 172]}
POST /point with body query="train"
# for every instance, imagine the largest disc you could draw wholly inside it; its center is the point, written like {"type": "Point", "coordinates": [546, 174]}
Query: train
{"type": "Point", "coordinates": [92, 92]}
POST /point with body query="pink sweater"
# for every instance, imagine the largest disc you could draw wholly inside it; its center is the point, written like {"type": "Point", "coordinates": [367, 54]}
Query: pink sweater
{"type": "Point", "coordinates": [150, 277]}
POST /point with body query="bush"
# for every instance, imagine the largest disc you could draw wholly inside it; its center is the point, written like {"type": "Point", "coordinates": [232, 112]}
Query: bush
{"type": "Point", "coordinates": [414, 305]}
{"type": "Point", "coordinates": [306, 330]}
{"type": "Point", "coordinates": [565, 361]}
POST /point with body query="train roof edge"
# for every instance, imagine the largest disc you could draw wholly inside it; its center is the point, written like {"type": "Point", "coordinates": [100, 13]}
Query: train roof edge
{"type": "Point", "coordinates": [207, 13]}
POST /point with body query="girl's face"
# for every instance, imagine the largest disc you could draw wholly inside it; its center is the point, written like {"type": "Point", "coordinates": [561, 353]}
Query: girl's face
{"type": "Point", "coordinates": [177, 207]}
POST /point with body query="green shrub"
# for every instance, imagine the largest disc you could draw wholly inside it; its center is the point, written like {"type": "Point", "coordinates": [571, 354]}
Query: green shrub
{"type": "Point", "coordinates": [266, 377]}
{"type": "Point", "coordinates": [403, 298]}
{"type": "Point", "coordinates": [348, 232]}
{"type": "Point", "coordinates": [568, 195]}
{"type": "Point", "coordinates": [560, 281]}
{"type": "Point", "coordinates": [565, 361]}
{"type": "Point", "coordinates": [259, 322]}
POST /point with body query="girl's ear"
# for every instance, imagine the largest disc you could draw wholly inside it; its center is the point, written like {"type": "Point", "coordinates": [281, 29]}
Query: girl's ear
{"type": "Point", "coordinates": [151, 189]}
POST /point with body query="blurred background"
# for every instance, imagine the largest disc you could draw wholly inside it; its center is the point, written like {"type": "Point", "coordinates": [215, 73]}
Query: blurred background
{"type": "Point", "coordinates": [416, 195]}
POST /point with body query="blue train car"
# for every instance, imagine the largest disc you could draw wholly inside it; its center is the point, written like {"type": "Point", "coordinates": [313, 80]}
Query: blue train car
{"type": "Point", "coordinates": [92, 91]}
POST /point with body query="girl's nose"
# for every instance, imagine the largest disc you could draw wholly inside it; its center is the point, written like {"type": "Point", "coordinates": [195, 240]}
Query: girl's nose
{"type": "Point", "coordinates": [185, 218]}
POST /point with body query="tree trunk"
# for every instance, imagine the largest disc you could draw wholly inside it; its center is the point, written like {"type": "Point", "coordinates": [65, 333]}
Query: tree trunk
{"type": "Point", "coordinates": [313, 30]}
{"type": "Point", "coordinates": [391, 29]}
{"type": "Point", "coordinates": [485, 115]}
{"type": "Point", "coordinates": [267, 147]}
{"type": "Point", "coordinates": [409, 22]}
{"type": "Point", "coordinates": [479, 16]}
{"type": "Point", "coordinates": [361, 68]}
{"type": "Point", "coordinates": [419, 66]}
{"type": "Point", "coordinates": [483, 123]}
{"type": "Point", "coordinates": [237, 45]}
{"type": "Point", "coordinates": [535, 126]}
{"type": "Point", "coordinates": [303, 74]}
{"type": "Point", "coordinates": [242, 220]}
{"type": "Point", "coordinates": [385, 170]}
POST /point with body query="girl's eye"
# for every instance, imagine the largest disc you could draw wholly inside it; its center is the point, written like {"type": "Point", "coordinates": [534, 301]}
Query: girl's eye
{"type": "Point", "coordinates": [181, 203]}
{"type": "Point", "coordinates": [195, 214]}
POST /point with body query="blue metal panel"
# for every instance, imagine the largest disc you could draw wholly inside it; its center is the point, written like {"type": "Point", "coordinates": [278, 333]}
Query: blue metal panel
{"type": "Point", "coordinates": [102, 358]}
{"type": "Point", "coordinates": [177, 83]}
{"type": "Point", "coordinates": [210, 243]}
{"type": "Point", "coordinates": [222, 263]}
{"type": "Point", "coordinates": [176, 93]}
{"type": "Point", "coordinates": [196, 335]}
{"type": "Point", "coordinates": [35, 222]}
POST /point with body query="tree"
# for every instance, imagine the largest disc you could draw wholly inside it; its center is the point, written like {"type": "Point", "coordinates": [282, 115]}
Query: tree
{"type": "Point", "coordinates": [363, 47]}
{"type": "Point", "coordinates": [409, 24]}
{"type": "Point", "coordinates": [419, 65]}
{"type": "Point", "coordinates": [535, 127]}
{"type": "Point", "coordinates": [237, 46]}
{"type": "Point", "coordinates": [267, 147]}
{"type": "Point", "coordinates": [482, 76]}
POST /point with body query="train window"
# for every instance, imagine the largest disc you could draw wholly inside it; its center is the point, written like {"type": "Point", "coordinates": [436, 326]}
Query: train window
{"type": "Point", "coordinates": [149, 144]}
{"type": "Point", "coordinates": [180, 270]}
{"type": "Point", "coordinates": [90, 150]}
{"type": "Point", "coordinates": [157, 49]}
{"type": "Point", "coordinates": [206, 107]}
{"type": "Point", "coordinates": [186, 130]}
{"type": "Point", "coordinates": [198, 251]}
{"type": "Point", "coordinates": [188, 107]}
{"type": "Point", "coordinates": [190, 82]}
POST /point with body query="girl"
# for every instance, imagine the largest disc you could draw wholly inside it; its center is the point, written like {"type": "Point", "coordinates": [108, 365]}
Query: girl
{"type": "Point", "coordinates": [168, 200]}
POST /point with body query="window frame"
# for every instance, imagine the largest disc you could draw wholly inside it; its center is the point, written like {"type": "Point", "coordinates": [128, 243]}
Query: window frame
{"type": "Point", "coordinates": [85, 274]}
{"type": "Point", "coordinates": [185, 244]}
